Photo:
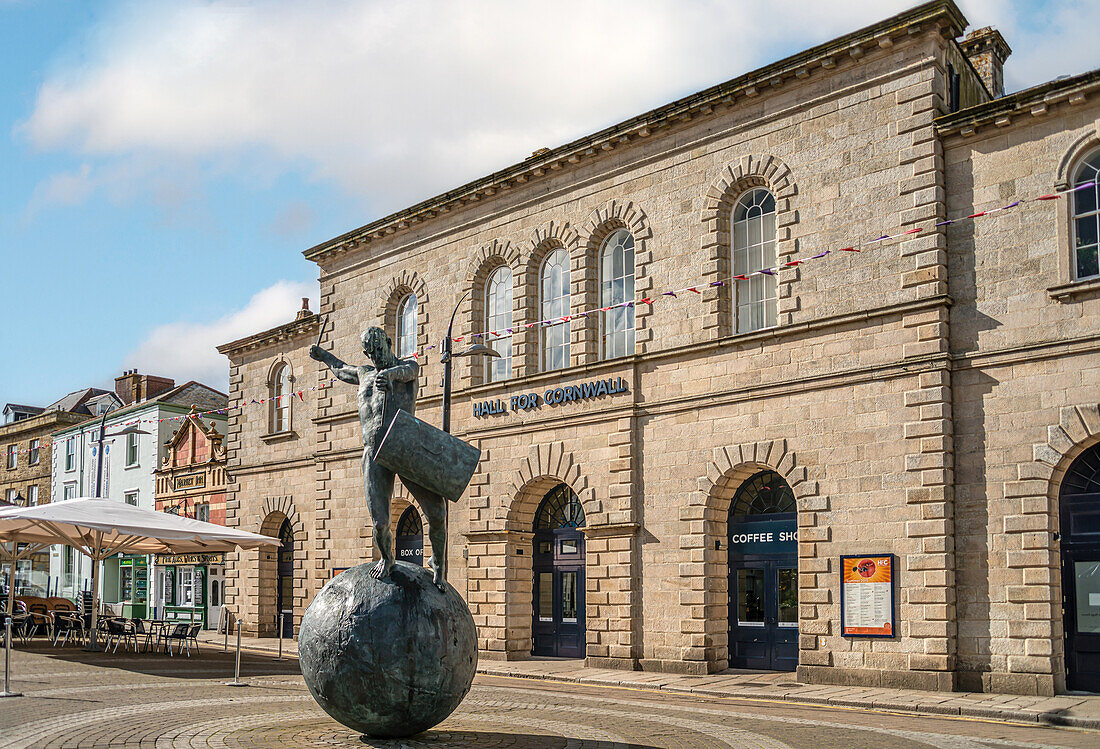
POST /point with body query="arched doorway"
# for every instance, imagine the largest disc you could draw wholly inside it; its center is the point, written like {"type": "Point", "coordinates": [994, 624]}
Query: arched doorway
{"type": "Point", "coordinates": [1079, 517]}
{"type": "Point", "coordinates": [409, 540]}
{"type": "Point", "coordinates": [763, 575]}
{"type": "Point", "coordinates": [284, 579]}
{"type": "Point", "coordinates": [558, 567]}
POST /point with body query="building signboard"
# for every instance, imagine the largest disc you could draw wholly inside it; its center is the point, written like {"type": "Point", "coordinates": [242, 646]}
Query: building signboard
{"type": "Point", "coordinates": [166, 559]}
{"type": "Point", "coordinates": [552, 397]}
{"type": "Point", "coordinates": [765, 537]}
{"type": "Point", "coordinates": [189, 481]}
{"type": "Point", "coordinates": [867, 595]}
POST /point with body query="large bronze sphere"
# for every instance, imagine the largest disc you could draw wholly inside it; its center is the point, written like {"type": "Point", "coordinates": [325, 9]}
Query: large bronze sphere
{"type": "Point", "coordinates": [389, 658]}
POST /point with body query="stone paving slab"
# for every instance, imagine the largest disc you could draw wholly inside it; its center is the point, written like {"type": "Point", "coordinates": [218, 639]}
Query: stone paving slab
{"type": "Point", "coordinates": [1082, 711]}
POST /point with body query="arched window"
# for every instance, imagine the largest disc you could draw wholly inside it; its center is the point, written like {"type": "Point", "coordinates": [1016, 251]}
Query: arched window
{"type": "Point", "coordinates": [617, 292]}
{"type": "Point", "coordinates": [763, 494]}
{"type": "Point", "coordinates": [560, 508]}
{"type": "Point", "coordinates": [406, 327]}
{"type": "Point", "coordinates": [1086, 219]}
{"type": "Point", "coordinates": [498, 322]}
{"type": "Point", "coordinates": [555, 305]}
{"type": "Point", "coordinates": [410, 523]}
{"type": "Point", "coordinates": [279, 398]}
{"type": "Point", "coordinates": [753, 228]}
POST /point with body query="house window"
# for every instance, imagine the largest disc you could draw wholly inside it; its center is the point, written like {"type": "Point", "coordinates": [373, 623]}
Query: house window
{"type": "Point", "coordinates": [13, 452]}
{"type": "Point", "coordinates": [617, 292]}
{"type": "Point", "coordinates": [32, 495]}
{"type": "Point", "coordinates": [554, 287]}
{"type": "Point", "coordinates": [498, 323]}
{"type": "Point", "coordinates": [1086, 220]}
{"type": "Point", "coordinates": [280, 399]}
{"type": "Point", "coordinates": [406, 327]}
{"type": "Point", "coordinates": [69, 491]}
{"type": "Point", "coordinates": [202, 512]}
{"type": "Point", "coordinates": [131, 449]}
{"type": "Point", "coordinates": [10, 496]}
{"type": "Point", "coordinates": [70, 454]}
{"type": "Point", "coordinates": [131, 498]}
{"type": "Point", "coordinates": [33, 456]}
{"type": "Point", "coordinates": [753, 250]}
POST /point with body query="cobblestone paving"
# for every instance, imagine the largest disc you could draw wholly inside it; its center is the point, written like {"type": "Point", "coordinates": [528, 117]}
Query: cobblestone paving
{"type": "Point", "coordinates": [73, 699]}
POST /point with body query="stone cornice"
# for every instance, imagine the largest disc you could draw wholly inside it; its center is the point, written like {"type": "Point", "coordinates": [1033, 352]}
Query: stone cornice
{"type": "Point", "coordinates": [284, 332]}
{"type": "Point", "coordinates": [1032, 102]}
{"type": "Point", "coordinates": [943, 15]}
{"type": "Point", "coordinates": [45, 422]}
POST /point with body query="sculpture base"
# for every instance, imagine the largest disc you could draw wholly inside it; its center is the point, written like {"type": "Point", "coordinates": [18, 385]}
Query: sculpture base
{"type": "Point", "coordinates": [389, 658]}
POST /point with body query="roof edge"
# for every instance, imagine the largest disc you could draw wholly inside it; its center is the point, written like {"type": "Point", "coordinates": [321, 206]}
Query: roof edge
{"type": "Point", "coordinates": [279, 332]}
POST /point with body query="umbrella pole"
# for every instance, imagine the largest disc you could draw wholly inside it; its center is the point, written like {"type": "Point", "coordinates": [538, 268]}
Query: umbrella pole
{"type": "Point", "coordinates": [11, 580]}
{"type": "Point", "coordinates": [93, 641]}
{"type": "Point", "coordinates": [7, 661]}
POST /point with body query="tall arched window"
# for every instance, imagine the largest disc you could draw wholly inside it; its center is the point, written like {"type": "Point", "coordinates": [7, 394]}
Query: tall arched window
{"type": "Point", "coordinates": [753, 227]}
{"type": "Point", "coordinates": [406, 327]}
{"type": "Point", "coordinates": [279, 398]}
{"type": "Point", "coordinates": [1086, 219]}
{"type": "Point", "coordinates": [617, 292]}
{"type": "Point", "coordinates": [554, 287]}
{"type": "Point", "coordinates": [498, 321]}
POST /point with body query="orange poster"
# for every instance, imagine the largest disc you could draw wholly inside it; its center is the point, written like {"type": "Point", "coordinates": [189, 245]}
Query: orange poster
{"type": "Point", "coordinates": [867, 595]}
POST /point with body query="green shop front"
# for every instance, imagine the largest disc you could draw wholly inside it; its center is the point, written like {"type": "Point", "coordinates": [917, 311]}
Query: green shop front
{"type": "Point", "coordinates": [125, 585]}
{"type": "Point", "coordinates": [190, 587]}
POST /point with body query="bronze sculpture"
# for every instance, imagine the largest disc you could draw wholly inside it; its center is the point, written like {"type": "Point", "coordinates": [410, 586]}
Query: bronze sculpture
{"type": "Point", "coordinates": [389, 385]}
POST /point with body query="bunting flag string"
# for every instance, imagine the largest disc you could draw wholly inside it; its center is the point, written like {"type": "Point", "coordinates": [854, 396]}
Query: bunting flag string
{"type": "Point", "coordinates": [649, 301]}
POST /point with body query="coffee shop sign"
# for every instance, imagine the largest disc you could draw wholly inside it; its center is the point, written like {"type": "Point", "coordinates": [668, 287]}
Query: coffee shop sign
{"type": "Point", "coordinates": [552, 397]}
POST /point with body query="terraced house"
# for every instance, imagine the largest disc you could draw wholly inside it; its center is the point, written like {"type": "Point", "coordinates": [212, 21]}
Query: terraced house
{"type": "Point", "coordinates": [873, 466]}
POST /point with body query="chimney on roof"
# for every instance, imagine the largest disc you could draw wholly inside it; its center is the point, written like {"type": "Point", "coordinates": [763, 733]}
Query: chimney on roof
{"type": "Point", "coordinates": [132, 387]}
{"type": "Point", "coordinates": [304, 312]}
{"type": "Point", "coordinates": [987, 51]}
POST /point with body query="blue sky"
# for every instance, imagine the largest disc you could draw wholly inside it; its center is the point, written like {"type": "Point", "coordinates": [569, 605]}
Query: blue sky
{"type": "Point", "coordinates": [165, 163]}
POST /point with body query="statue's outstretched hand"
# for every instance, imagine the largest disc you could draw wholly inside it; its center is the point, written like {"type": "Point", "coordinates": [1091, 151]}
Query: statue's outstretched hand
{"type": "Point", "coordinates": [316, 352]}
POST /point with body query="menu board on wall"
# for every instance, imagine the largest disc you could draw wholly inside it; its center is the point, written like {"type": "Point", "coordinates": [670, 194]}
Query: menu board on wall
{"type": "Point", "coordinates": [867, 595]}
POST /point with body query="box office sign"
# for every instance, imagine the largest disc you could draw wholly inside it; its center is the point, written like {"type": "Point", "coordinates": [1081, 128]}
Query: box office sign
{"type": "Point", "coordinates": [190, 481]}
{"type": "Point", "coordinates": [552, 397]}
{"type": "Point", "coordinates": [867, 595]}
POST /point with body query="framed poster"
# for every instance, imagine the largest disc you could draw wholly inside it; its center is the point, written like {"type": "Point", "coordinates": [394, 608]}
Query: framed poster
{"type": "Point", "coordinates": [867, 595]}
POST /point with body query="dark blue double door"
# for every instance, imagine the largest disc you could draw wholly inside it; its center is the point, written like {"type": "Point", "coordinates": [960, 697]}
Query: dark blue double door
{"type": "Point", "coordinates": [763, 613]}
{"type": "Point", "coordinates": [558, 566]}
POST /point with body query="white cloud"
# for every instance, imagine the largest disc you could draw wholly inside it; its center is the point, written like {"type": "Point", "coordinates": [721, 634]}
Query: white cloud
{"type": "Point", "coordinates": [395, 100]}
{"type": "Point", "coordinates": [188, 350]}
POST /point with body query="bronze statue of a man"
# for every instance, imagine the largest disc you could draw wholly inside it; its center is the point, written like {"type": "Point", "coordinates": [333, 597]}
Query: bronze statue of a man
{"type": "Point", "coordinates": [388, 385]}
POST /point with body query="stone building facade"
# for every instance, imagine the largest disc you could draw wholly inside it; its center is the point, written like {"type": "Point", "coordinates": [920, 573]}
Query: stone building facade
{"type": "Point", "coordinates": [921, 397]}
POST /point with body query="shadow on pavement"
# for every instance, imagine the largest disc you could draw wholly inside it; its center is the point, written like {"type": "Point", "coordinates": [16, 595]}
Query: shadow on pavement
{"type": "Point", "coordinates": [487, 739]}
{"type": "Point", "coordinates": [206, 664]}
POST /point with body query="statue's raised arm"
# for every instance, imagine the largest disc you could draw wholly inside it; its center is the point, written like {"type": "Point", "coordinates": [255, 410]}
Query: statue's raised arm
{"type": "Point", "coordinates": [342, 371]}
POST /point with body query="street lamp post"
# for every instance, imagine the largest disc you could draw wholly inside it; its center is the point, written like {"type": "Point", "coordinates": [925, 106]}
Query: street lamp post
{"type": "Point", "coordinates": [478, 349]}
{"type": "Point", "coordinates": [93, 638]}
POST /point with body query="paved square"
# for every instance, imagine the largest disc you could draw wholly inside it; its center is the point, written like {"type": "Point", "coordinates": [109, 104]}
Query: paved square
{"type": "Point", "coordinates": [74, 699]}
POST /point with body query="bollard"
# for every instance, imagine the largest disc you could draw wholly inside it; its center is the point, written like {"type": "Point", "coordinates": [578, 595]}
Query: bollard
{"type": "Point", "coordinates": [7, 661]}
{"type": "Point", "coordinates": [225, 628]}
{"type": "Point", "coordinates": [237, 671]}
{"type": "Point", "coordinates": [279, 626]}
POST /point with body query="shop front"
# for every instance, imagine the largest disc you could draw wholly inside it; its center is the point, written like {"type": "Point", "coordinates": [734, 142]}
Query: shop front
{"type": "Point", "coordinates": [190, 587]}
{"type": "Point", "coordinates": [133, 586]}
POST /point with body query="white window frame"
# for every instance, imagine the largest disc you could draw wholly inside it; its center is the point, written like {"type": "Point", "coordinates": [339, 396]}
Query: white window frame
{"type": "Point", "coordinates": [280, 399]}
{"type": "Point", "coordinates": [13, 456]}
{"type": "Point", "coordinates": [498, 318]}
{"type": "Point", "coordinates": [200, 509]}
{"type": "Point", "coordinates": [132, 450]}
{"type": "Point", "coordinates": [617, 288]}
{"type": "Point", "coordinates": [554, 298]}
{"type": "Point", "coordinates": [32, 495]}
{"type": "Point", "coordinates": [128, 495]}
{"type": "Point", "coordinates": [10, 495]}
{"type": "Point", "coordinates": [752, 248]}
{"type": "Point", "coordinates": [70, 454]}
{"type": "Point", "coordinates": [407, 326]}
{"type": "Point", "coordinates": [1087, 171]}
{"type": "Point", "coordinates": [34, 452]}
